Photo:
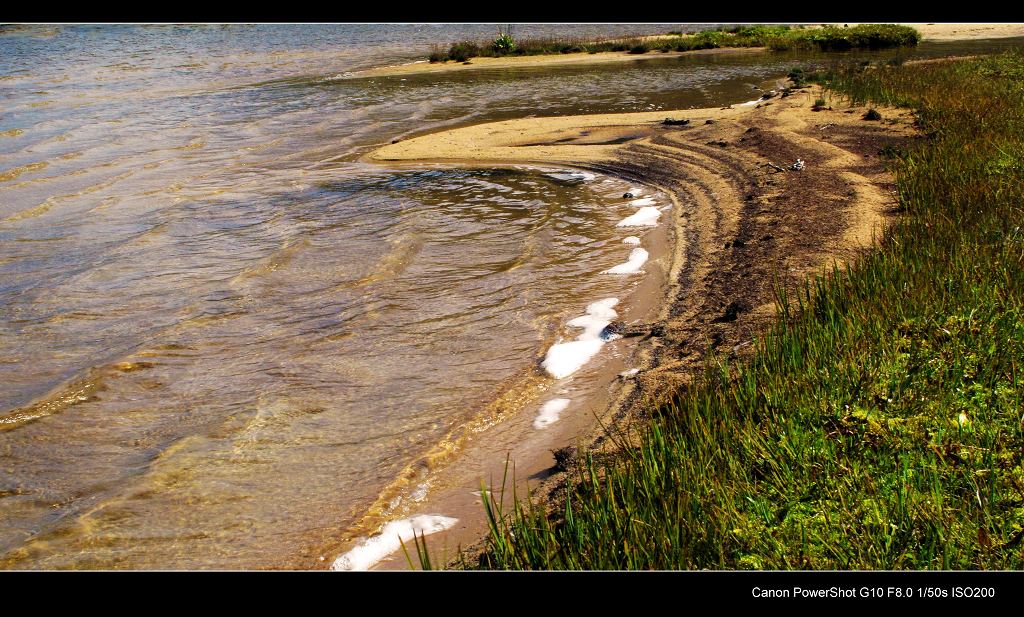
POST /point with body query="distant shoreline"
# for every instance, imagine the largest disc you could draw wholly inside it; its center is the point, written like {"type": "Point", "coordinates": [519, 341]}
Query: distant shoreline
{"type": "Point", "coordinates": [583, 58]}
{"type": "Point", "coordinates": [929, 32]}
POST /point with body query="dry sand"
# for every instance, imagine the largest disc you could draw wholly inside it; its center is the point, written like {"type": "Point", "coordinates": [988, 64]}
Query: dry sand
{"type": "Point", "coordinates": [963, 32]}
{"type": "Point", "coordinates": [742, 218]}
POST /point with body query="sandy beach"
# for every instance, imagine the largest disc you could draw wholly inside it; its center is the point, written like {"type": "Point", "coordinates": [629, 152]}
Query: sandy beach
{"type": "Point", "coordinates": [964, 32]}
{"type": "Point", "coordinates": [744, 215]}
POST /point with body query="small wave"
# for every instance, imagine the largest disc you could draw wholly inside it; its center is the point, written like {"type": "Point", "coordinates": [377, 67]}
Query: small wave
{"type": "Point", "coordinates": [34, 211]}
{"type": "Point", "coordinates": [63, 397]}
{"type": "Point", "coordinates": [11, 174]}
{"type": "Point", "coordinates": [195, 144]}
{"type": "Point", "coordinates": [273, 262]}
{"type": "Point", "coordinates": [644, 217]}
{"type": "Point", "coordinates": [404, 250]}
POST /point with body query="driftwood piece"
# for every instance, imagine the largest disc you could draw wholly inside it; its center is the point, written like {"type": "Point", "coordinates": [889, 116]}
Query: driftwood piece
{"type": "Point", "coordinates": [773, 166]}
{"type": "Point", "coordinates": [630, 330]}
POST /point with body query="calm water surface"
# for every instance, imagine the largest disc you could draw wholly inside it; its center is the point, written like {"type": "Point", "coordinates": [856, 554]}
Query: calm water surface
{"type": "Point", "coordinates": [220, 334]}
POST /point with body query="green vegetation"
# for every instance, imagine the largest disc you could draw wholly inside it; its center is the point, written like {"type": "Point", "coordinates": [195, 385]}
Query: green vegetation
{"type": "Point", "coordinates": [880, 421]}
{"type": "Point", "coordinates": [828, 38]}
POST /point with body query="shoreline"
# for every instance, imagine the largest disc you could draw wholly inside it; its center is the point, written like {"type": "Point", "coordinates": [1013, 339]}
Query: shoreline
{"type": "Point", "coordinates": [737, 222]}
{"type": "Point", "coordinates": [929, 32]}
{"type": "Point", "coordinates": [445, 482]}
{"type": "Point", "coordinates": [548, 60]}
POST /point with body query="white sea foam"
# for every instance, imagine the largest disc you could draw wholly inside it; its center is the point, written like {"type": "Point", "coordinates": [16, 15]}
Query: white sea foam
{"type": "Point", "coordinates": [420, 493]}
{"type": "Point", "coordinates": [644, 217]}
{"type": "Point", "coordinates": [643, 201]}
{"type": "Point", "coordinates": [549, 412]}
{"type": "Point", "coordinates": [564, 359]}
{"type": "Point", "coordinates": [372, 550]}
{"type": "Point", "coordinates": [584, 176]}
{"type": "Point", "coordinates": [754, 102]}
{"type": "Point", "coordinates": [636, 192]}
{"type": "Point", "coordinates": [631, 240]}
{"type": "Point", "coordinates": [637, 258]}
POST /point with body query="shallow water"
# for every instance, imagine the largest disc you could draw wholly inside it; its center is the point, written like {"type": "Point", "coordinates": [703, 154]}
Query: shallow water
{"type": "Point", "coordinates": [220, 334]}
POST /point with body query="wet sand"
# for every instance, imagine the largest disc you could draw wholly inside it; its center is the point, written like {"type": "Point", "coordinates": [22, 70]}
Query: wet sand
{"type": "Point", "coordinates": [542, 61]}
{"type": "Point", "coordinates": [742, 218]}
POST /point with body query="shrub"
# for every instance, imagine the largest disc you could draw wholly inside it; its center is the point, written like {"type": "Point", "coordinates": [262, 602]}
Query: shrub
{"type": "Point", "coordinates": [460, 52]}
{"type": "Point", "coordinates": [709, 39]}
{"type": "Point", "coordinates": [437, 56]}
{"type": "Point", "coordinates": [777, 38]}
{"type": "Point", "coordinates": [504, 44]}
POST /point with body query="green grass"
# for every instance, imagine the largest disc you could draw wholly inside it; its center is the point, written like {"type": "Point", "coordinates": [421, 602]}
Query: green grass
{"type": "Point", "coordinates": [864, 36]}
{"type": "Point", "coordinates": [880, 422]}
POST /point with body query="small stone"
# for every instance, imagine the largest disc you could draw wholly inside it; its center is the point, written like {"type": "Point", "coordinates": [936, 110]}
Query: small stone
{"type": "Point", "coordinates": [732, 311]}
{"type": "Point", "coordinates": [564, 457]}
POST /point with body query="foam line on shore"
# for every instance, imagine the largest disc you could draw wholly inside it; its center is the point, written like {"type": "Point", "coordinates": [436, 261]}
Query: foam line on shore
{"type": "Point", "coordinates": [550, 412]}
{"type": "Point", "coordinates": [582, 176]}
{"type": "Point", "coordinates": [644, 217]}
{"type": "Point", "coordinates": [564, 359]}
{"type": "Point", "coordinates": [373, 550]}
{"type": "Point", "coordinates": [637, 258]}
